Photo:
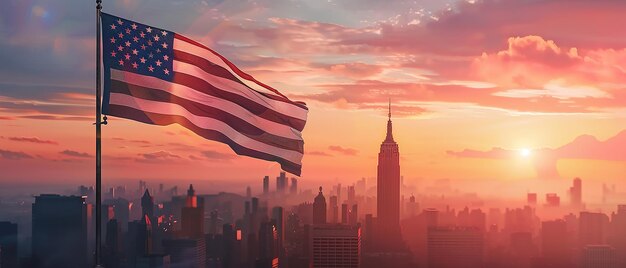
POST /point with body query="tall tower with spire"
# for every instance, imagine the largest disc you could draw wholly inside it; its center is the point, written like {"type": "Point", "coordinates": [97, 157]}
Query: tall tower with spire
{"type": "Point", "coordinates": [388, 191]}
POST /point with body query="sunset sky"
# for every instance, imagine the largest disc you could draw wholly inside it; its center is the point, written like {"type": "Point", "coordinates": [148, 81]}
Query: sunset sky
{"type": "Point", "coordinates": [506, 90]}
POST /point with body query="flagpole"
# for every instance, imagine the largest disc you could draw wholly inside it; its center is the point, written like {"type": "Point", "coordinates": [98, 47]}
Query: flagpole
{"type": "Point", "coordinates": [98, 139]}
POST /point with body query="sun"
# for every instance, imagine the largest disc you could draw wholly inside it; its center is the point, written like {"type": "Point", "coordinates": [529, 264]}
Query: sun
{"type": "Point", "coordinates": [525, 152]}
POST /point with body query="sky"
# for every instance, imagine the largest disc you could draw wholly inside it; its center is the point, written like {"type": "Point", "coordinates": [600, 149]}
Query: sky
{"type": "Point", "coordinates": [498, 90]}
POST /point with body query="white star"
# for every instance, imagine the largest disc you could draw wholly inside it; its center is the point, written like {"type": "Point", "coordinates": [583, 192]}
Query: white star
{"type": "Point", "coordinates": [149, 30]}
{"type": "Point", "coordinates": [120, 22]}
{"type": "Point", "coordinates": [156, 38]}
{"type": "Point", "coordinates": [150, 42]}
{"type": "Point", "coordinates": [143, 60]}
{"type": "Point", "coordinates": [135, 39]}
{"type": "Point", "coordinates": [112, 40]}
{"type": "Point", "coordinates": [135, 51]}
{"type": "Point", "coordinates": [164, 33]}
{"type": "Point", "coordinates": [113, 26]}
{"type": "Point", "coordinates": [158, 63]}
{"type": "Point", "coordinates": [164, 45]}
{"type": "Point", "coordinates": [142, 34]}
{"type": "Point", "coordinates": [120, 35]}
{"type": "Point", "coordinates": [150, 55]}
{"type": "Point", "coordinates": [127, 30]}
{"type": "Point", "coordinates": [134, 26]}
{"type": "Point", "coordinates": [127, 56]}
{"type": "Point", "coordinates": [127, 43]}
{"type": "Point", "coordinates": [121, 62]}
{"type": "Point", "coordinates": [143, 46]}
{"type": "Point", "coordinates": [135, 65]}
{"type": "Point", "coordinates": [158, 50]}
{"type": "Point", "coordinates": [150, 68]}
{"type": "Point", "coordinates": [120, 48]}
{"type": "Point", "coordinates": [166, 71]}
{"type": "Point", "coordinates": [113, 53]}
{"type": "Point", "coordinates": [166, 58]}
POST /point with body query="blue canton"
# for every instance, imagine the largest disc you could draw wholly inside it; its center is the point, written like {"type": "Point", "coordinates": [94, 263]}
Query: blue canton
{"type": "Point", "coordinates": [136, 47]}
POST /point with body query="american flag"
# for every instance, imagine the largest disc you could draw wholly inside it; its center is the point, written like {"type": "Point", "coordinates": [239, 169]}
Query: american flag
{"type": "Point", "coordinates": [160, 77]}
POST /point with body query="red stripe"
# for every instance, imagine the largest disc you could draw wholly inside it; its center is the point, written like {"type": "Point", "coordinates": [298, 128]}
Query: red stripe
{"type": "Point", "coordinates": [255, 108]}
{"type": "Point", "coordinates": [220, 71]}
{"type": "Point", "coordinates": [164, 120]}
{"type": "Point", "coordinates": [199, 109]}
{"type": "Point", "coordinates": [234, 68]}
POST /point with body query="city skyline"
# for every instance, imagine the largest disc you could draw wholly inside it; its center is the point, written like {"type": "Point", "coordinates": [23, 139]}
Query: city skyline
{"type": "Point", "coordinates": [523, 124]}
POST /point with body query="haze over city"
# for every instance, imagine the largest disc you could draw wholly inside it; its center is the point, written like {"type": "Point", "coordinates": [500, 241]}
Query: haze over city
{"type": "Point", "coordinates": [499, 121]}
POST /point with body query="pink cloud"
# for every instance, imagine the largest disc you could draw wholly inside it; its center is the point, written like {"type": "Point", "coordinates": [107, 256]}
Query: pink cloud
{"type": "Point", "coordinates": [343, 150]}
{"type": "Point", "coordinates": [32, 140]}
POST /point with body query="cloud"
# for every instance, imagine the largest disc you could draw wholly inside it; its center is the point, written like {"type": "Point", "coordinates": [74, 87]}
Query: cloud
{"type": "Point", "coordinates": [545, 159]}
{"type": "Point", "coordinates": [318, 153]}
{"type": "Point", "coordinates": [12, 155]}
{"type": "Point", "coordinates": [215, 155]}
{"type": "Point", "coordinates": [76, 154]}
{"type": "Point", "coordinates": [158, 157]}
{"type": "Point", "coordinates": [342, 150]}
{"type": "Point", "coordinates": [32, 140]}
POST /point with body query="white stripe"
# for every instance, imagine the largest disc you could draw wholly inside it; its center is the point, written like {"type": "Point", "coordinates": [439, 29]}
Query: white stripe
{"type": "Point", "coordinates": [182, 45]}
{"type": "Point", "coordinates": [199, 97]}
{"type": "Point", "coordinates": [208, 123]}
{"type": "Point", "coordinates": [204, 53]}
{"type": "Point", "coordinates": [239, 89]}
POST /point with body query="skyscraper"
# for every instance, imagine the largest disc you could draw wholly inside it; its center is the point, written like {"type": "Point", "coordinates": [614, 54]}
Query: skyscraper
{"type": "Point", "coordinates": [388, 191]}
{"type": "Point", "coordinates": [266, 184]}
{"type": "Point", "coordinates": [8, 244]}
{"type": "Point", "coordinates": [450, 247]}
{"type": "Point", "coordinates": [59, 231]}
{"type": "Point", "coordinates": [192, 216]}
{"type": "Point", "coordinates": [575, 193]}
{"type": "Point", "coordinates": [281, 183]}
{"type": "Point", "coordinates": [335, 245]}
{"type": "Point", "coordinates": [147, 205]}
{"type": "Point", "coordinates": [319, 209]}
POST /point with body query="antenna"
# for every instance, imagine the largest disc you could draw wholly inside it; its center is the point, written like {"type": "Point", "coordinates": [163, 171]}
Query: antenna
{"type": "Point", "coordinates": [389, 108]}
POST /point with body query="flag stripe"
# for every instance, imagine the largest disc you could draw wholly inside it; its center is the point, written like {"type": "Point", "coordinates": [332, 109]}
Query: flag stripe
{"type": "Point", "coordinates": [219, 71]}
{"type": "Point", "coordinates": [217, 86]}
{"type": "Point", "coordinates": [182, 43]}
{"type": "Point", "coordinates": [138, 114]}
{"type": "Point", "coordinates": [190, 94]}
{"type": "Point", "coordinates": [207, 123]}
{"type": "Point", "coordinates": [245, 128]}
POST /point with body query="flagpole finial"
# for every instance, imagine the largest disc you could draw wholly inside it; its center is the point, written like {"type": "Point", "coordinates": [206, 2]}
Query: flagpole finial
{"type": "Point", "coordinates": [98, 4]}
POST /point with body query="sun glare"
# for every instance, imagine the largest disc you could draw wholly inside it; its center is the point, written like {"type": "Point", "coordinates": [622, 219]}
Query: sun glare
{"type": "Point", "coordinates": [524, 152]}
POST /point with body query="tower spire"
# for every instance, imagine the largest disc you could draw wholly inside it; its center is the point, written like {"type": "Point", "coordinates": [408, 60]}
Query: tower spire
{"type": "Point", "coordinates": [389, 109]}
{"type": "Point", "coordinates": [389, 137]}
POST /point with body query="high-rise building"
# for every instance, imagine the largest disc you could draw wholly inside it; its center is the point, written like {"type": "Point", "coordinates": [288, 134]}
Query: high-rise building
{"type": "Point", "coordinates": [555, 248]}
{"type": "Point", "coordinates": [575, 193]}
{"type": "Point", "coordinates": [531, 198]}
{"type": "Point", "coordinates": [334, 209]}
{"type": "Point", "coordinates": [593, 228]}
{"type": "Point", "coordinates": [293, 189]}
{"type": "Point", "coordinates": [388, 192]}
{"type": "Point", "coordinates": [319, 209]}
{"type": "Point", "coordinates": [147, 204]}
{"type": "Point", "coordinates": [8, 244]}
{"type": "Point", "coordinates": [452, 247]}
{"type": "Point", "coordinates": [599, 256]}
{"type": "Point", "coordinates": [59, 231]}
{"type": "Point", "coordinates": [344, 213]}
{"type": "Point", "coordinates": [335, 246]}
{"type": "Point", "coordinates": [266, 184]}
{"type": "Point", "coordinates": [192, 216]}
{"type": "Point", "coordinates": [189, 252]}
{"type": "Point", "coordinates": [552, 200]}
{"type": "Point", "coordinates": [281, 183]}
